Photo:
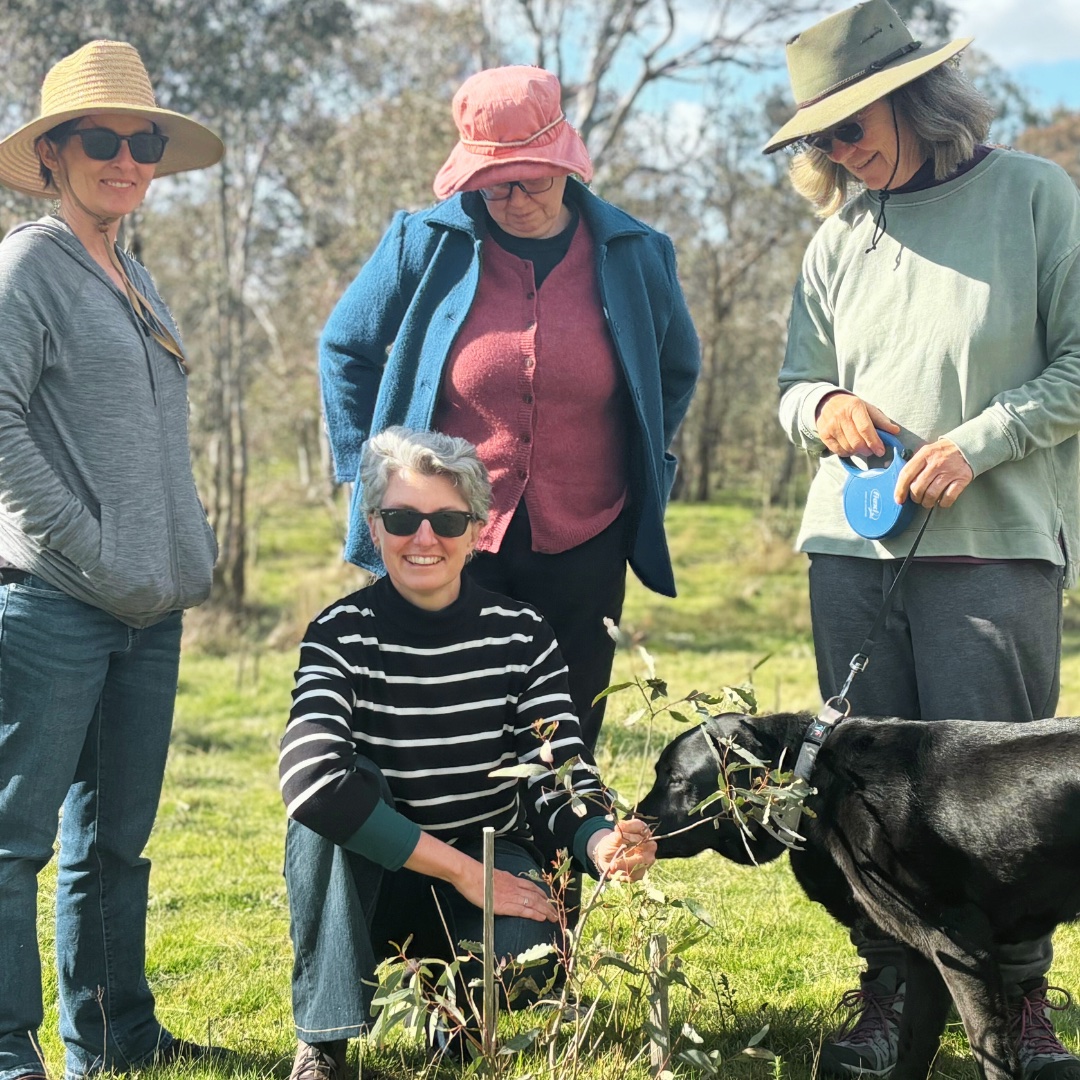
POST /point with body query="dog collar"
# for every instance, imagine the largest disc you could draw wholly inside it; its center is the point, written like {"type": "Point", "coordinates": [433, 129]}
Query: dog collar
{"type": "Point", "coordinates": [820, 729]}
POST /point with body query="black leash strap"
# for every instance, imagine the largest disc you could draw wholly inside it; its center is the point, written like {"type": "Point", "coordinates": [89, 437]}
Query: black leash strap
{"type": "Point", "coordinates": [837, 708]}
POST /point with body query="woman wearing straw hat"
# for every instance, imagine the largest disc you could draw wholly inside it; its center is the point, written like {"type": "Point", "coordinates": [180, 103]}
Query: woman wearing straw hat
{"type": "Point", "coordinates": [103, 542]}
{"type": "Point", "coordinates": [939, 303]}
{"type": "Point", "coordinates": [548, 328]}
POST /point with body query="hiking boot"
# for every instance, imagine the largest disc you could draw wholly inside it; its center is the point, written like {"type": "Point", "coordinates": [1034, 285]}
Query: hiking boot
{"type": "Point", "coordinates": [319, 1061]}
{"type": "Point", "coordinates": [1042, 1057]}
{"type": "Point", "coordinates": [865, 1045]}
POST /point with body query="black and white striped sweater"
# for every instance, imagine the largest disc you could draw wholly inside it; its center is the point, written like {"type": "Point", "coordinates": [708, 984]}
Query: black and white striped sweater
{"type": "Point", "coordinates": [436, 700]}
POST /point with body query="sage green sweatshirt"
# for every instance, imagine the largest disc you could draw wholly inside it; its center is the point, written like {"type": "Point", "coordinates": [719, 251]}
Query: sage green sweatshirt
{"type": "Point", "coordinates": [963, 323]}
{"type": "Point", "coordinates": [96, 489]}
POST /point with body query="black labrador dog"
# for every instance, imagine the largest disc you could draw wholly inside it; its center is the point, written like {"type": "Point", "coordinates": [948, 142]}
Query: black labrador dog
{"type": "Point", "coordinates": [951, 836]}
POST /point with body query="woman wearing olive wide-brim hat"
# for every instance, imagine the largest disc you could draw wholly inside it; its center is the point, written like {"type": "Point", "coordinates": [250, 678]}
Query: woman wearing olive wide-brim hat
{"type": "Point", "coordinates": [940, 303]}
{"type": "Point", "coordinates": [103, 543]}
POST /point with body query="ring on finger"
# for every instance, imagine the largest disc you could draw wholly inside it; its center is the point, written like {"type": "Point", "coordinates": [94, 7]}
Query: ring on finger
{"type": "Point", "coordinates": [526, 901]}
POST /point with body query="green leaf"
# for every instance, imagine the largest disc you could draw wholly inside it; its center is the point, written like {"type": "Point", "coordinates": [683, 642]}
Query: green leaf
{"type": "Point", "coordinates": [523, 1040]}
{"type": "Point", "coordinates": [707, 1063]}
{"type": "Point", "coordinates": [613, 959]}
{"type": "Point", "coordinates": [758, 1037]}
{"type": "Point", "coordinates": [525, 770]}
{"type": "Point", "coordinates": [535, 955]}
{"type": "Point", "coordinates": [700, 913]}
{"type": "Point", "coordinates": [612, 690]}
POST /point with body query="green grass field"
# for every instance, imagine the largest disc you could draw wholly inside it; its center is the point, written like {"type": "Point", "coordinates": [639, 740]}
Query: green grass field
{"type": "Point", "coordinates": [219, 956]}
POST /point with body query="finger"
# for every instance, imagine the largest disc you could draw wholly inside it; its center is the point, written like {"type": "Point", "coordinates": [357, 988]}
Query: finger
{"type": "Point", "coordinates": [952, 493]}
{"type": "Point", "coordinates": [847, 436]}
{"type": "Point", "coordinates": [868, 438]}
{"type": "Point", "coordinates": [880, 420]}
{"type": "Point", "coordinates": [538, 909]}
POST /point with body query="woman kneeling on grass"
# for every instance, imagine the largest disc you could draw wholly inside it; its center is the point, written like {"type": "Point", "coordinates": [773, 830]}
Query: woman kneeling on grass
{"type": "Point", "coordinates": [409, 694]}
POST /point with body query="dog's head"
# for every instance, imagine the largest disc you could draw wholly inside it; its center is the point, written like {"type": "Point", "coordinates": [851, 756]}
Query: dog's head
{"type": "Point", "coordinates": [687, 773]}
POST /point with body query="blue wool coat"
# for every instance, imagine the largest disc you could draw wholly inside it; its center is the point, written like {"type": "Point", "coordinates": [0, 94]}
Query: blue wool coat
{"type": "Point", "coordinates": [383, 350]}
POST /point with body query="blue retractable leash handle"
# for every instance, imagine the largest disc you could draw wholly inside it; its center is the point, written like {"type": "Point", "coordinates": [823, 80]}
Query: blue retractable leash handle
{"type": "Point", "coordinates": [869, 505]}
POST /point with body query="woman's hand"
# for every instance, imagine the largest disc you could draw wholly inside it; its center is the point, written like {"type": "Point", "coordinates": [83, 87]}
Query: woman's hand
{"type": "Point", "coordinates": [513, 895]}
{"type": "Point", "coordinates": [625, 852]}
{"type": "Point", "coordinates": [935, 476]}
{"type": "Point", "coordinates": [846, 425]}
{"type": "Point", "coordinates": [518, 896]}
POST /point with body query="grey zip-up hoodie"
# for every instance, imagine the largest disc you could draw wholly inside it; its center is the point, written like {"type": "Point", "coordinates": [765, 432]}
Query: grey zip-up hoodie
{"type": "Point", "coordinates": [96, 490]}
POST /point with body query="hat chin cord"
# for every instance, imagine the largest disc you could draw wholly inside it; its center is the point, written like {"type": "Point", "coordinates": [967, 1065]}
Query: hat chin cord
{"type": "Point", "coordinates": [101, 221]}
{"type": "Point", "coordinates": [883, 194]}
{"type": "Point", "coordinates": [142, 307]}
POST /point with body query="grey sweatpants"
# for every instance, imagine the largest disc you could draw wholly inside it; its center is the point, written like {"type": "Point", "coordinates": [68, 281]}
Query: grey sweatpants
{"type": "Point", "coordinates": [967, 641]}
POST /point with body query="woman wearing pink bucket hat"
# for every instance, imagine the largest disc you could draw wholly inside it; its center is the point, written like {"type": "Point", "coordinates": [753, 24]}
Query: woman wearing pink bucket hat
{"type": "Point", "coordinates": [548, 328]}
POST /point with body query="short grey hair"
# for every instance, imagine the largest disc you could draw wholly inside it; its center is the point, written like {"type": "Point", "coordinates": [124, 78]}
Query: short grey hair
{"type": "Point", "coordinates": [428, 453]}
{"type": "Point", "coordinates": [948, 115]}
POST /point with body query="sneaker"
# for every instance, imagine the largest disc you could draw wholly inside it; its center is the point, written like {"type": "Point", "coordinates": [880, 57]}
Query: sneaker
{"type": "Point", "coordinates": [1042, 1057]}
{"type": "Point", "coordinates": [319, 1061]}
{"type": "Point", "coordinates": [866, 1043]}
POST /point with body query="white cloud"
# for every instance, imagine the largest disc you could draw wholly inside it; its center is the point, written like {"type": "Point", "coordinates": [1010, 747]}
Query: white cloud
{"type": "Point", "coordinates": [1015, 32]}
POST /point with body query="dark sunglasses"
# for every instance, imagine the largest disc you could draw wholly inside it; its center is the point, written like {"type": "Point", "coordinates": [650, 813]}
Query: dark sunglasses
{"type": "Point", "coordinates": [444, 523]}
{"type": "Point", "coordinates": [103, 144]}
{"type": "Point", "coordinates": [850, 133]}
{"type": "Point", "coordinates": [498, 192]}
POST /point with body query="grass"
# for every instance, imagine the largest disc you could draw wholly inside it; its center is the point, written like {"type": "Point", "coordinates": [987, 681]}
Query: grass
{"type": "Point", "coordinates": [218, 950]}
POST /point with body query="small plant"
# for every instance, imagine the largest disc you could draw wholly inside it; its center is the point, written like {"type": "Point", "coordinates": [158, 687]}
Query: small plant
{"type": "Point", "coordinates": [774, 798]}
{"type": "Point", "coordinates": [605, 993]}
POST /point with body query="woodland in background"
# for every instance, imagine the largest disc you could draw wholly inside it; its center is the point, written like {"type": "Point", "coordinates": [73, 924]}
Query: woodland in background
{"type": "Point", "coordinates": [336, 113]}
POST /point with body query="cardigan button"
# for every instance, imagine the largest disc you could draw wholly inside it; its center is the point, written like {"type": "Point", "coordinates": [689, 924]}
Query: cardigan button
{"type": "Point", "coordinates": [526, 438]}
{"type": "Point", "coordinates": [527, 399]}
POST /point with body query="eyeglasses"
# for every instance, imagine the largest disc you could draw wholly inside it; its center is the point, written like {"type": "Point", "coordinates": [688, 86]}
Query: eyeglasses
{"type": "Point", "coordinates": [103, 144]}
{"type": "Point", "coordinates": [849, 132]}
{"type": "Point", "coordinates": [499, 192]}
{"type": "Point", "coordinates": [444, 523]}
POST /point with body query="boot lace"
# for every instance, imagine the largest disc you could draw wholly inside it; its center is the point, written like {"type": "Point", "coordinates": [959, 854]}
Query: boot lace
{"type": "Point", "coordinates": [1031, 1026]}
{"type": "Point", "coordinates": [873, 1016]}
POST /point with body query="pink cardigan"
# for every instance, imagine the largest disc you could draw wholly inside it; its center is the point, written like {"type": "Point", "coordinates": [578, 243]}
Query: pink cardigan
{"type": "Point", "coordinates": [533, 382]}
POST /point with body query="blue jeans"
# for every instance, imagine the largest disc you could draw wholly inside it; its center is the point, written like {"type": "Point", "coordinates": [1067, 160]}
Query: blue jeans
{"type": "Point", "coordinates": [86, 706]}
{"type": "Point", "coordinates": [344, 911]}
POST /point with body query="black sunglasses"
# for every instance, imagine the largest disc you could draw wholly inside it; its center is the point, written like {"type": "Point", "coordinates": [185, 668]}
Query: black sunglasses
{"type": "Point", "coordinates": [103, 144]}
{"type": "Point", "coordinates": [444, 523]}
{"type": "Point", "coordinates": [499, 192]}
{"type": "Point", "coordinates": [850, 132]}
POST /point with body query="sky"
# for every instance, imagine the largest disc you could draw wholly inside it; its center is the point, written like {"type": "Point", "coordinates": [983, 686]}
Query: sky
{"type": "Point", "coordinates": [1037, 41]}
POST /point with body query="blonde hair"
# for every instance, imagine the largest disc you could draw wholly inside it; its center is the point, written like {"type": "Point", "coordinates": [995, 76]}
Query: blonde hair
{"type": "Point", "coordinates": [948, 116]}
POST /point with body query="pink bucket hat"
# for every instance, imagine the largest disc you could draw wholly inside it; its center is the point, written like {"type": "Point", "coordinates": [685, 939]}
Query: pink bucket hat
{"type": "Point", "coordinates": [510, 127]}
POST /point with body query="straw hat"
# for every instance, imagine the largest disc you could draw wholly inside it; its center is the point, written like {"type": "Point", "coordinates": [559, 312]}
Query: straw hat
{"type": "Point", "coordinates": [103, 77]}
{"type": "Point", "coordinates": [850, 60]}
{"type": "Point", "coordinates": [510, 127]}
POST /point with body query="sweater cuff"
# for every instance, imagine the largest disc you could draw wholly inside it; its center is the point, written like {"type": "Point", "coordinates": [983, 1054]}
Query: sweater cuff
{"type": "Point", "coordinates": [386, 837]}
{"type": "Point", "coordinates": [588, 828]}
{"type": "Point", "coordinates": [808, 414]}
{"type": "Point", "coordinates": [984, 440]}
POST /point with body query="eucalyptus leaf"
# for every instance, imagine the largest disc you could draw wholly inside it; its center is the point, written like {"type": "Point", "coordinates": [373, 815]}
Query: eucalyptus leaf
{"type": "Point", "coordinates": [522, 770]}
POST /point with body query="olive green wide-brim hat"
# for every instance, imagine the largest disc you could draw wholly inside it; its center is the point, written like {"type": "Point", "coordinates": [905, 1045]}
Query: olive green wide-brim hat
{"type": "Point", "coordinates": [103, 77]}
{"type": "Point", "coordinates": [850, 60]}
